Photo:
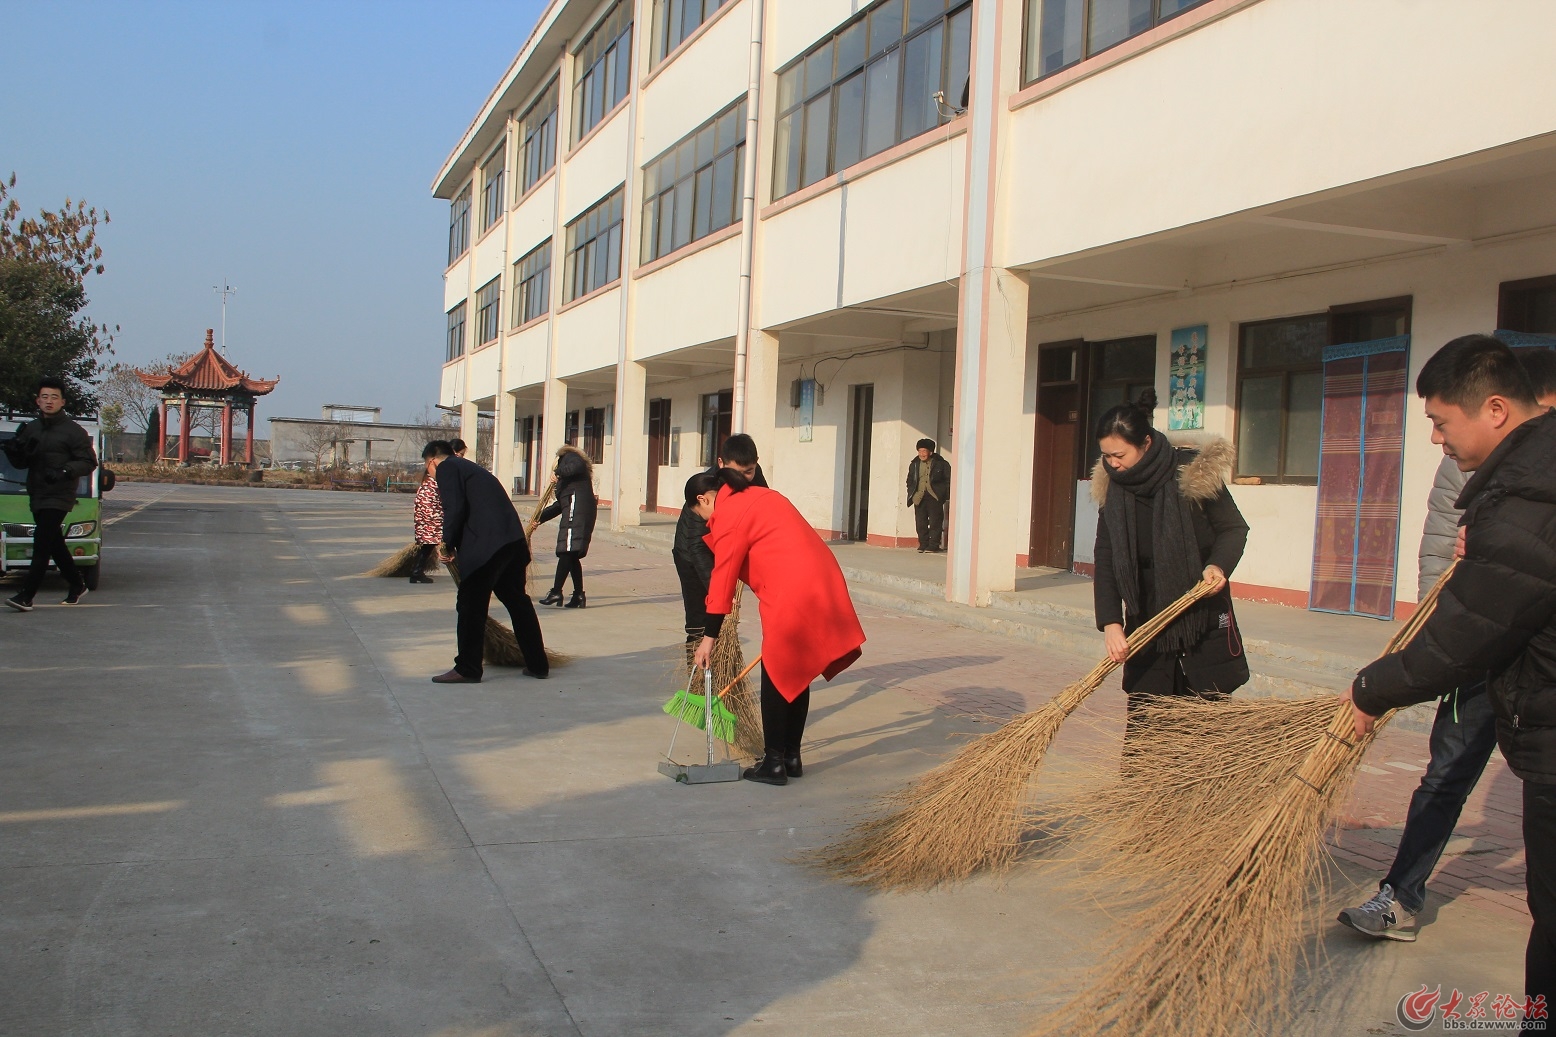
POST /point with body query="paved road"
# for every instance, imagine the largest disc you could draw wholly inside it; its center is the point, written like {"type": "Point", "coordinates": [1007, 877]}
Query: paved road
{"type": "Point", "coordinates": [231, 803]}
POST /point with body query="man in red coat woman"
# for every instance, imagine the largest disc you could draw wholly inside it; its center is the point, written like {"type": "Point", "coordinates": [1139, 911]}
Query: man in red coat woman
{"type": "Point", "coordinates": [809, 627]}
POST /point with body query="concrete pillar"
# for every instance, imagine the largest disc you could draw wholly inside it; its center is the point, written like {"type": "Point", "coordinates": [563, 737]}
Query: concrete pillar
{"type": "Point", "coordinates": [985, 535]}
{"type": "Point", "coordinates": [469, 421]}
{"type": "Point", "coordinates": [761, 413]}
{"type": "Point", "coordinates": [554, 419]}
{"type": "Point", "coordinates": [227, 433]}
{"type": "Point", "coordinates": [631, 445]}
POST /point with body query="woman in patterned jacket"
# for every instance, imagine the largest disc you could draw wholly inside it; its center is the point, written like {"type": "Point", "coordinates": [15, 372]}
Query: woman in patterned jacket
{"type": "Point", "coordinates": [427, 515]}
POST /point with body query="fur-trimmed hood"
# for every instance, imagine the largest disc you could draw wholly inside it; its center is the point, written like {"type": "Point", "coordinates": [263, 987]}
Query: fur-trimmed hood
{"type": "Point", "coordinates": [572, 463]}
{"type": "Point", "coordinates": [1203, 471]}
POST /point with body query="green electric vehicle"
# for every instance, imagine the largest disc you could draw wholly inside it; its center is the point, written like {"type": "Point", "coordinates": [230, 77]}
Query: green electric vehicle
{"type": "Point", "coordinates": [84, 523]}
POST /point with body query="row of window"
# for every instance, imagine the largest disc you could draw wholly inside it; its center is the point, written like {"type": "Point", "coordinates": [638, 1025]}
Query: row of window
{"type": "Point", "coordinates": [693, 188]}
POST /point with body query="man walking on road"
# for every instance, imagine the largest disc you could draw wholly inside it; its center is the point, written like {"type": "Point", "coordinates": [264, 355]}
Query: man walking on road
{"type": "Point", "coordinates": [56, 452]}
{"type": "Point", "coordinates": [479, 523]}
{"type": "Point", "coordinates": [929, 487]}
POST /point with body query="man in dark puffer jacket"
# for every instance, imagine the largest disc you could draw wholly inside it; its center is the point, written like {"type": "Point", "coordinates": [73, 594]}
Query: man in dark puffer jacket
{"type": "Point", "coordinates": [56, 453]}
{"type": "Point", "coordinates": [1497, 614]}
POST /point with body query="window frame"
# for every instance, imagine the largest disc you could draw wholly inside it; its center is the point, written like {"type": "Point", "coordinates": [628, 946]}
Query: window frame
{"type": "Point", "coordinates": [488, 312]}
{"type": "Point", "coordinates": [660, 45]}
{"type": "Point", "coordinates": [892, 52]}
{"type": "Point", "coordinates": [459, 223]}
{"type": "Point", "coordinates": [571, 426]}
{"type": "Point", "coordinates": [656, 192]}
{"type": "Point", "coordinates": [613, 65]}
{"type": "Point", "coordinates": [570, 268]}
{"type": "Point", "coordinates": [1029, 6]}
{"type": "Point", "coordinates": [454, 341]}
{"type": "Point", "coordinates": [1092, 353]}
{"type": "Point", "coordinates": [716, 409]}
{"type": "Point", "coordinates": [592, 434]}
{"type": "Point", "coordinates": [532, 278]}
{"type": "Point", "coordinates": [494, 200]}
{"type": "Point", "coordinates": [1509, 305]}
{"type": "Point", "coordinates": [1267, 371]}
{"type": "Point", "coordinates": [537, 138]}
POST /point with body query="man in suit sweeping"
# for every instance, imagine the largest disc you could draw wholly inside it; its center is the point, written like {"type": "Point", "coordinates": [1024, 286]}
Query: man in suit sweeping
{"type": "Point", "coordinates": [479, 523]}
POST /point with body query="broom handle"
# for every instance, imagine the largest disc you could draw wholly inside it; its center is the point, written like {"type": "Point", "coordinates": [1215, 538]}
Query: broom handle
{"type": "Point", "coordinates": [740, 677]}
{"type": "Point", "coordinates": [1148, 631]}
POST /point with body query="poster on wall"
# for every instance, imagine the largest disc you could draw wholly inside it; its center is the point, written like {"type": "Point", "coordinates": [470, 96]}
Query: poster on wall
{"type": "Point", "coordinates": [807, 409]}
{"type": "Point", "coordinates": [1186, 379]}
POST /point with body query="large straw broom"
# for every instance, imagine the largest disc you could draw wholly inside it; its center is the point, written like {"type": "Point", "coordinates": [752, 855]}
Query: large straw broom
{"type": "Point", "coordinates": [729, 669]}
{"type": "Point", "coordinates": [398, 564]}
{"type": "Point", "coordinates": [1206, 960]}
{"type": "Point", "coordinates": [968, 814]}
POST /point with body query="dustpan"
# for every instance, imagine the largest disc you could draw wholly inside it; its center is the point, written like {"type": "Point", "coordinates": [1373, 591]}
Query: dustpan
{"type": "Point", "coordinates": [712, 770]}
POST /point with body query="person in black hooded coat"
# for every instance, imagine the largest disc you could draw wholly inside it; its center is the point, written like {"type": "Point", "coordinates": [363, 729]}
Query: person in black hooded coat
{"type": "Point", "coordinates": [1166, 521]}
{"type": "Point", "coordinates": [577, 507]}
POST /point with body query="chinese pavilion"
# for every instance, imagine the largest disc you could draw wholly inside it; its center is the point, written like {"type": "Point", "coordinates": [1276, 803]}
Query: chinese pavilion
{"type": "Point", "coordinates": [207, 380]}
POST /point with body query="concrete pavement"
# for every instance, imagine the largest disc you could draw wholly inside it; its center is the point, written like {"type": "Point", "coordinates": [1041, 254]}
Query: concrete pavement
{"type": "Point", "coordinates": [233, 803]}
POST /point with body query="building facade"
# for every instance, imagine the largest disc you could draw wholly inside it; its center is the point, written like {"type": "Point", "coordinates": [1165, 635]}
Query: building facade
{"type": "Point", "coordinates": [844, 226]}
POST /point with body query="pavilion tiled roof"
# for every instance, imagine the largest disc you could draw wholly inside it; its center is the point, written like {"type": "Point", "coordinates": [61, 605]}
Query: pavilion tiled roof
{"type": "Point", "coordinates": [207, 372]}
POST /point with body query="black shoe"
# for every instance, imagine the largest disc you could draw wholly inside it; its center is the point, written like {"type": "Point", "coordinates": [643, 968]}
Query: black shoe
{"type": "Point", "coordinates": [536, 674]}
{"type": "Point", "coordinates": [792, 765]}
{"type": "Point", "coordinates": [578, 601]}
{"type": "Point", "coordinates": [19, 603]}
{"type": "Point", "coordinates": [769, 771]}
{"type": "Point", "coordinates": [554, 598]}
{"type": "Point", "coordinates": [75, 595]}
{"type": "Point", "coordinates": [421, 578]}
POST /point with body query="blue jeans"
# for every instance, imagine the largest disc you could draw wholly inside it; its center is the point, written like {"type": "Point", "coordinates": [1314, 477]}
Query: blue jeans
{"type": "Point", "coordinates": [1463, 736]}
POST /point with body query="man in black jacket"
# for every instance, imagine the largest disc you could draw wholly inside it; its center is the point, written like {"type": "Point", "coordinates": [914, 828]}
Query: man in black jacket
{"type": "Point", "coordinates": [1497, 614]}
{"type": "Point", "coordinates": [929, 487]}
{"type": "Point", "coordinates": [56, 453]}
{"type": "Point", "coordinates": [480, 524]}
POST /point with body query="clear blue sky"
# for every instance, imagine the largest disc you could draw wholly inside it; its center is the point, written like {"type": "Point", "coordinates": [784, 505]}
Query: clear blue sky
{"type": "Point", "coordinates": [286, 147]}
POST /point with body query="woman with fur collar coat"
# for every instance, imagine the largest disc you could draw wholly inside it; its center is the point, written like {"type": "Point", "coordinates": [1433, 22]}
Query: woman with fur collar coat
{"type": "Point", "coordinates": [1166, 520]}
{"type": "Point", "coordinates": [577, 507]}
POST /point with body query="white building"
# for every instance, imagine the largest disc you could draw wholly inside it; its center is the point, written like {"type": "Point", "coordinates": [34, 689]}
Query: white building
{"type": "Point", "coordinates": [674, 218]}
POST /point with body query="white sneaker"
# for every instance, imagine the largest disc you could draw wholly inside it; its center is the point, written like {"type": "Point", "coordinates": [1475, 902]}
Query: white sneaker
{"type": "Point", "coordinates": [1381, 917]}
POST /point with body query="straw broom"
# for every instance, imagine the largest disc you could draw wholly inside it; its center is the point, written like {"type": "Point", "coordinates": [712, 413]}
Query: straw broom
{"type": "Point", "coordinates": [729, 669]}
{"type": "Point", "coordinates": [398, 564]}
{"type": "Point", "coordinates": [499, 647]}
{"type": "Point", "coordinates": [1204, 962]}
{"type": "Point", "coordinates": [967, 814]}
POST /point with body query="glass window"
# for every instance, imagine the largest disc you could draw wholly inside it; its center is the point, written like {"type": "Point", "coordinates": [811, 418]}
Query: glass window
{"type": "Point", "coordinates": [456, 332]}
{"type": "Point", "coordinates": [593, 248]}
{"type": "Point", "coordinates": [532, 285]}
{"type": "Point", "coordinates": [869, 86]}
{"type": "Point", "coordinates": [594, 433]}
{"type": "Point", "coordinates": [537, 130]}
{"type": "Point", "coordinates": [1528, 306]}
{"type": "Point", "coordinates": [1280, 396]}
{"type": "Point", "coordinates": [1061, 32]}
{"type": "Point", "coordinates": [718, 409]}
{"type": "Point", "coordinates": [674, 20]}
{"type": "Point", "coordinates": [459, 225]}
{"type": "Point", "coordinates": [488, 309]}
{"type": "Point", "coordinates": [493, 200]}
{"type": "Point", "coordinates": [602, 66]}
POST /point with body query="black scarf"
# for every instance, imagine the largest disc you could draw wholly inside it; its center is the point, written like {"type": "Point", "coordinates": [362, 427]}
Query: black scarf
{"type": "Point", "coordinates": [1176, 563]}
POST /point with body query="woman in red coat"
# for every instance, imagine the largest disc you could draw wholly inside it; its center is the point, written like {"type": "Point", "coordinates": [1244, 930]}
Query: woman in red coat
{"type": "Point", "coordinates": [809, 628]}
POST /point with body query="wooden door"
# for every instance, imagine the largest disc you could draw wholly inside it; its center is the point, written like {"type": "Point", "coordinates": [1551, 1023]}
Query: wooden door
{"type": "Point", "coordinates": [658, 447]}
{"type": "Point", "coordinates": [861, 429]}
{"type": "Point", "coordinates": [1055, 453]}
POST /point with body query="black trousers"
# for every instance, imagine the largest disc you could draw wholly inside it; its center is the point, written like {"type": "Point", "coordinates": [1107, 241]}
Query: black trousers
{"type": "Point", "coordinates": [48, 542]}
{"type": "Point", "coordinates": [783, 722]}
{"type": "Point", "coordinates": [569, 564]}
{"type": "Point", "coordinates": [929, 517]}
{"type": "Point", "coordinates": [1540, 880]}
{"type": "Point", "coordinates": [502, 575]}
{"type": "Point", "coordinates": [694, 599]}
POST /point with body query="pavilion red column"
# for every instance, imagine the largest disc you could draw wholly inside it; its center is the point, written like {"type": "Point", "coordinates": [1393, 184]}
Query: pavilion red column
{"type": "Point", "coordinates": [183, 431]}
{"type": "Point", "coordinates": [248, 447]}
{"type": "Point", "coordinates": [161, 431]}
{"type": "Point", "coordinates": [227, 433]}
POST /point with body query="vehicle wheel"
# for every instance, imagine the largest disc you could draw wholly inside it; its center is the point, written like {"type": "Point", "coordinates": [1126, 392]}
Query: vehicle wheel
{"type": "Point", "coordinates": [89, 574]}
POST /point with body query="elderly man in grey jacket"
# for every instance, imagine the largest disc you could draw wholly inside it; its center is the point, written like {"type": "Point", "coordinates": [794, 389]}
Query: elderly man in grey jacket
{"type": "Point", "coordinates": [1464, 732]}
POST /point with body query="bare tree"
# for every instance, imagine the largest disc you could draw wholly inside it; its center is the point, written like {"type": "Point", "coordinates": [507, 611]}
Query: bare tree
{"type": "Point", "coordinates": [137, 401]}
{"type": "Point", "coordinates": [320, 438]}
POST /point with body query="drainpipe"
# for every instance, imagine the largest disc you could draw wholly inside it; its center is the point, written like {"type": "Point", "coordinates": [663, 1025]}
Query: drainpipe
{"type": "Point", "coordinates": [748, 217]}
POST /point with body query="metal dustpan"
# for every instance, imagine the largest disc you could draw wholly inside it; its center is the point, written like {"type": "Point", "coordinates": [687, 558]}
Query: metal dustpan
{"type": "Point", "coordinates": [700, 773]}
